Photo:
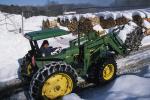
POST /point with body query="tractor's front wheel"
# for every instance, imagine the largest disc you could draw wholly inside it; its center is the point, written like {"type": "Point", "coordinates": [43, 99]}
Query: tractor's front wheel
{"type": "Point", "coordinates": [53, 81]}
{"type": "Point", "coordinates": [107, 70]}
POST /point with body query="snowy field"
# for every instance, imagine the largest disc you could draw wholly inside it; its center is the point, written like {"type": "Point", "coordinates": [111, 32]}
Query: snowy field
{"type": "Point", "coordinates": [14, 46]}
{"type": "Point", "coordinates": [126, 87]}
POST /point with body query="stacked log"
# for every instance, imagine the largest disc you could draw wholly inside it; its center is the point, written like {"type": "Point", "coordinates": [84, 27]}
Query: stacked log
{"type": "Point", "coordinates": [63, 22]}
{"type": "Point", "coordinates": [95, 20]}
{"type": "Point", "coordinates": [73, 25]}
{"type": "Point", "coordinates": [49, 24]}
{"type": "Point", "coordinates": [85, 25]}
{"type": "Point", "coordinates": [133, 40]}
{"type": "Point", "coordinates": [121, 21]}
{"type": "Point", "coordinates": [107, 23]}
{"type": "Point", "coordinates": [138, 20]}
{"type": "Point", "coordinates": [102, 22]}
{"type": "Point", "coordinates": [45, 24]}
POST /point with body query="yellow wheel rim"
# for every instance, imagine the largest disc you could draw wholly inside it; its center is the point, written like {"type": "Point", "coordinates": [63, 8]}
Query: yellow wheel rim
{"type": "Point", "coordinates": [29, 67]}
{"type": "Point", "coordinates": [108, 71]}
{"type": "Point", "coordinates": [57, 85]}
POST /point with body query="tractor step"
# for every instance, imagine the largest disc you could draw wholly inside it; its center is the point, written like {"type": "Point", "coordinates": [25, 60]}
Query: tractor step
{"type": "Point", "coordinates": [83, 84]}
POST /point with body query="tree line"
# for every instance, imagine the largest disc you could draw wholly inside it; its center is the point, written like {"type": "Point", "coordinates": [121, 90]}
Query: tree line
{"type": "Point", "coordinates": [46, 10]}
{"type": "Point", "coordinates": [55, 9]}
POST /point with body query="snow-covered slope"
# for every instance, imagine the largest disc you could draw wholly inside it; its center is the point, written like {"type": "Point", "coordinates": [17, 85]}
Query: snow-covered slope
{"type": "Point", "coordinates": [12, 46]}
{"type": "Point", "coordinates": [35, 23]}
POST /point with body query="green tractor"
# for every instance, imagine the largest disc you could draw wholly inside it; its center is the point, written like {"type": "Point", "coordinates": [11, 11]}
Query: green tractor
{"type": "Point", "coordinates": [88, 59]}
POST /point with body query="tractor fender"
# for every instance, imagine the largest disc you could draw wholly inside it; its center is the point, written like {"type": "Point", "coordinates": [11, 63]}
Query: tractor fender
{"type": "Point", "coordinates": [106, 54]}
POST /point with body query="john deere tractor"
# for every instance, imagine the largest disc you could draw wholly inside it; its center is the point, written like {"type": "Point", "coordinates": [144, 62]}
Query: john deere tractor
{"type": "Point", "coordinates": [90, 58]}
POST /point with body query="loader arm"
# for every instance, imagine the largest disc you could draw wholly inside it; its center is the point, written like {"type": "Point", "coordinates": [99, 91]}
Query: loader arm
{"type": "Point", "coordinates": [115, 43]}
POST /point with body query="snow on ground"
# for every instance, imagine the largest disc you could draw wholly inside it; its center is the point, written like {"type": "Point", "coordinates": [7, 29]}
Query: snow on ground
{"type": "Point", "coordinates": [125, 87]}
{"type": "Point", "coordinates": [35, 23]}
{"type": "Point", "coordinates": [132, 59]}
{"type": "Point", "coordinates": [13, 46]}
{"type": "Point", "coordinates": [72, 96]}
{"type": "Point", "coordinates": [98, 28]}
{"type": "Point", "coordinates": [146, 41]}
{"type": "Point", "coordinates": [62, 27]}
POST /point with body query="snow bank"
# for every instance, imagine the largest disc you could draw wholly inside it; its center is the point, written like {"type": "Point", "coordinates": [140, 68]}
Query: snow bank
{"type": "Point", "coordinates": [140, 13]}
{"type": "Point", "coordinates": [132, 59]}
{"type": "Point", "coordinates": [127, 14]}
{"type": "Point", "coordinates": [98, 28]}
{"type": "Point", "coordinates": [130, 87]}
{"type": "Point", "coordinates": [63, 28]}
{"type": "Point", "coordinates": [125, 87]}
{"type": "Point", "coordinates": [72, 96]}
{"type": "Point", "coordinates": [13, 45]}
{"type": "Point", "coordinates": [35, 23]}
{"type": "Point", "coordinates": [146, 41]}
{"type": "Point", "coordinates": [111, 14]}
{"type": "Point", "coordinates": [89, 15]}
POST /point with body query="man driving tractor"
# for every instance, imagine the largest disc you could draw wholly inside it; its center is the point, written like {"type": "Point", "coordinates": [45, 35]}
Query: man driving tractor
{"type": "Point", "coordinates": [46, 49]}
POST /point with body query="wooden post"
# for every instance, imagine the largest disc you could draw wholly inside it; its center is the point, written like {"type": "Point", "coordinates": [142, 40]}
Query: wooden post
{"type": "Point", "coordinates": [22, 23]}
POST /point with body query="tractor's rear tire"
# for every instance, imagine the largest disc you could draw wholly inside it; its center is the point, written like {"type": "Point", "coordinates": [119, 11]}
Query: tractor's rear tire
{"type": "Point", "coordinates": [107, 71]}
{"type": "Point", "coordinates": [27, 70]}
{"type": "Point", "coordinates": [53, 81]}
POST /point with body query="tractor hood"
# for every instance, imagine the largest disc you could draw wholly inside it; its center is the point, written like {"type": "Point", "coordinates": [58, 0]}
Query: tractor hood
{"type": "Point", "coordinates": [43, 34]}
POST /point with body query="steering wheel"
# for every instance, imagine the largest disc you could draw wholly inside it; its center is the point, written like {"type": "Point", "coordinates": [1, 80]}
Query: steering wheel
{"type": "Point", "coordinates": [57, 51]}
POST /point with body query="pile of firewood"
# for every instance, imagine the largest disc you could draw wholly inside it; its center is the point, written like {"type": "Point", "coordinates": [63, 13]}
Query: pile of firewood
{"type": "Point", "coordinates": [84, 25]}
{"type": "Point", "coordinates": [133, 40]}
{"type": "Point", "coordinates": [95, 20]}
{"type": "Point", "coordinates": [105, 23]}
{"type": "Point", "coordinates": [73, 25]}
{"type": "Point", "coordinates": [49, 24]}
{"type": "Point", "coordinates": [121, 21]}
{"type": "Point", "coordinates": [138, 20]}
